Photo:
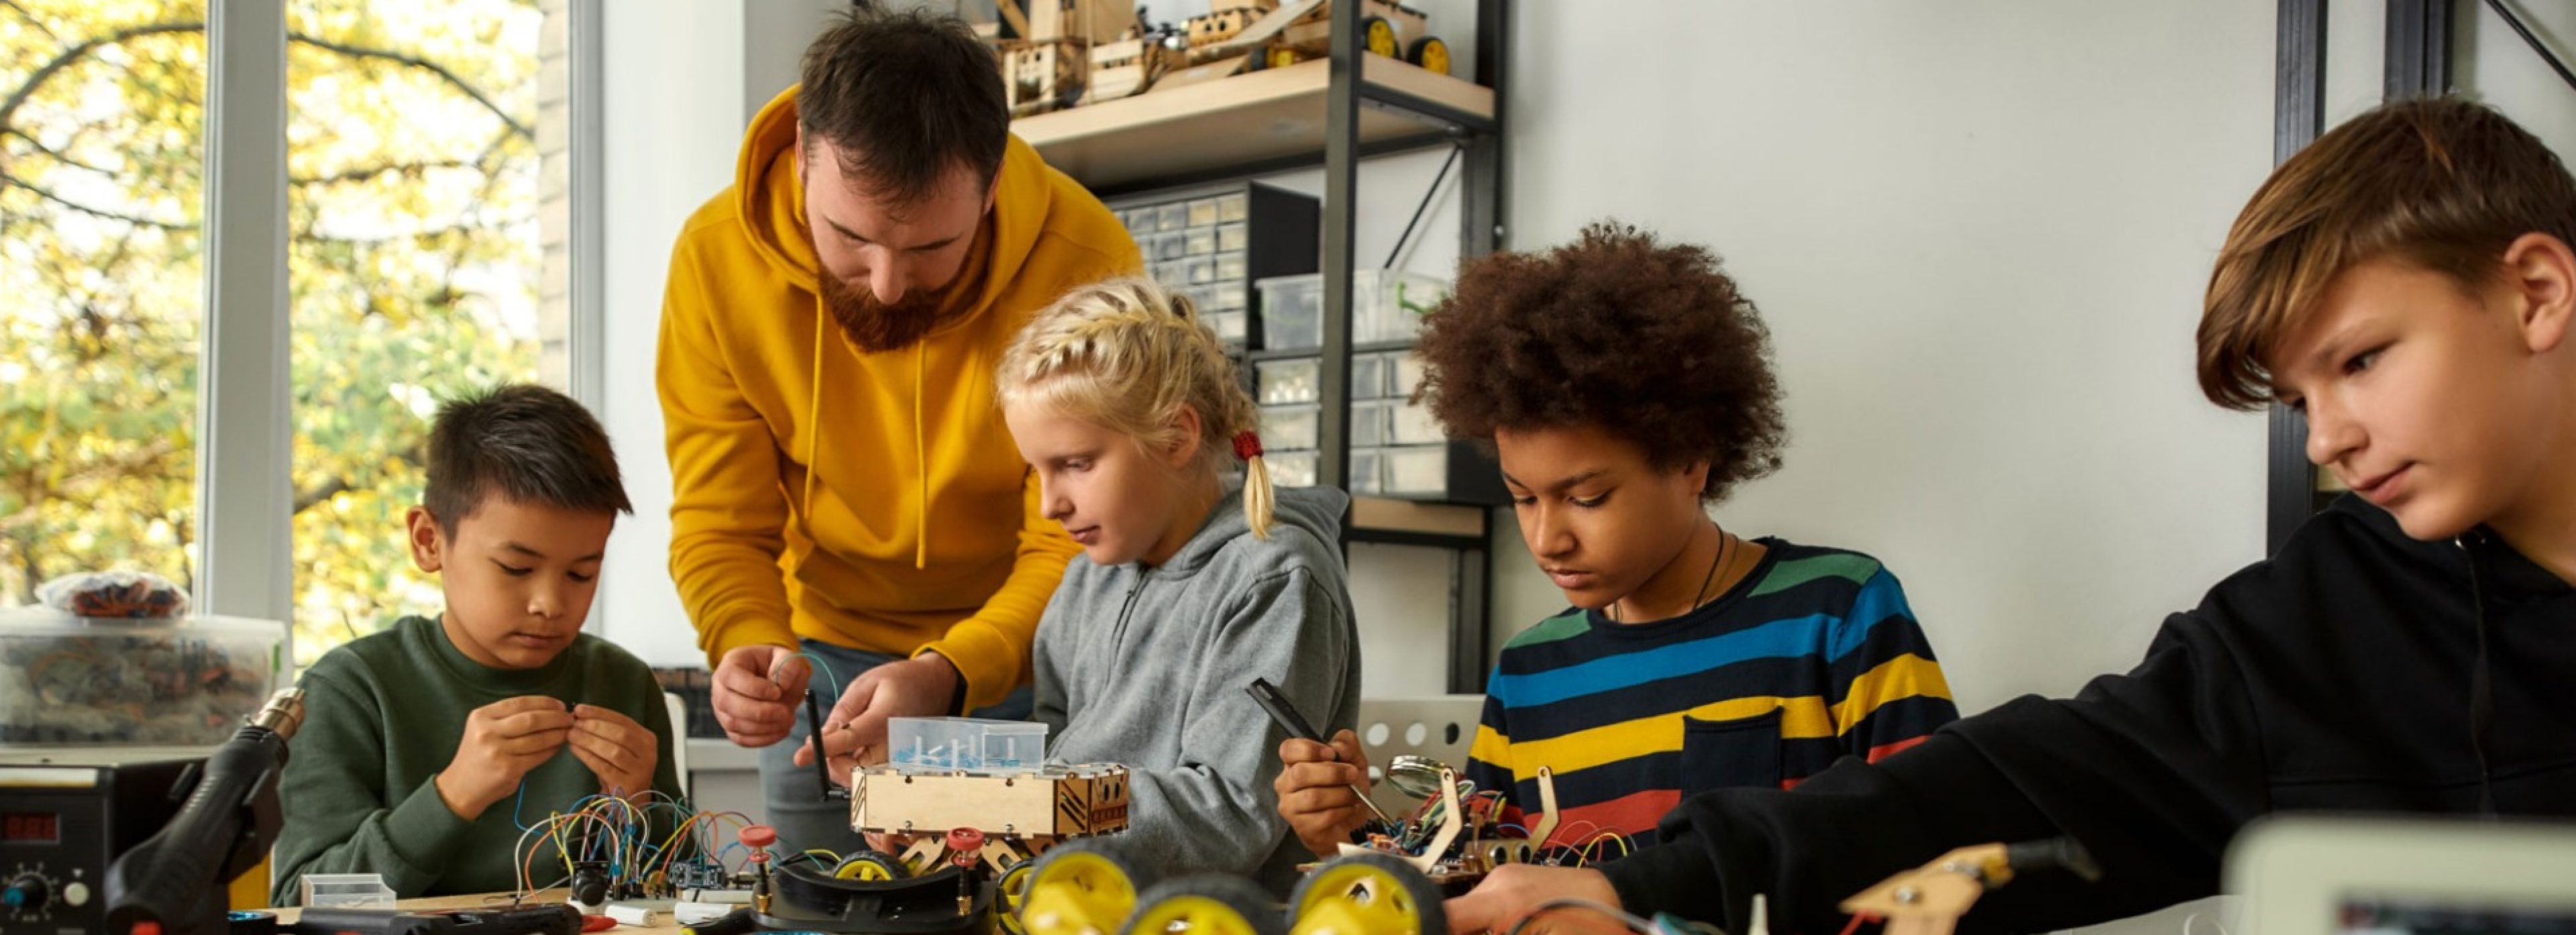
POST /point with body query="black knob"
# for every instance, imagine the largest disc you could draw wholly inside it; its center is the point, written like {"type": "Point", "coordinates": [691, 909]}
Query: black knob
{"type": "Point", "coordinates": [27, 893]}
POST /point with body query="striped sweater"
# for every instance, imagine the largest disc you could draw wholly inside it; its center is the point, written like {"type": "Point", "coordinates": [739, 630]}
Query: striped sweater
{"type": "Point", "coordinates": [1812, 657]}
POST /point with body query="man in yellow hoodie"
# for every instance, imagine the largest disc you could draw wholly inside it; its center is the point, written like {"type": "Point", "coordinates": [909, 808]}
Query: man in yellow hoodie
{"type": "Point", "coordinates": [842, 480]}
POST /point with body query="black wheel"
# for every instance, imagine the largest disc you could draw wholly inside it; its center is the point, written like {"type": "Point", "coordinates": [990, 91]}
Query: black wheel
{"type": "Point", "coordinates": [1366, 893]}
{"type": "Point", "coordinates": [1080, 886]}
{"type": "Point", "coordinates": [1011, 891]}
{"type": "Point", "coordinates": [1381, 35]}
{"type": "Point", "coordinates": [871, 865]}
{"type": "Point", "coordinates": [1207, 904]}
{"type": "Point", "coordinates": [1430, 53]}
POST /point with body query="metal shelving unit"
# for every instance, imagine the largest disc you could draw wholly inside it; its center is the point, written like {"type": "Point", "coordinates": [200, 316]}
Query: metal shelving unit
{"type": "Point", "coordinates": [1268, 121]}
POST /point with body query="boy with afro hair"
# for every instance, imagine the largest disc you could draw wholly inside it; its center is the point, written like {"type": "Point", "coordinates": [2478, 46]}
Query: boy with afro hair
{"type": "Point", "coordinates": [1625, 384]}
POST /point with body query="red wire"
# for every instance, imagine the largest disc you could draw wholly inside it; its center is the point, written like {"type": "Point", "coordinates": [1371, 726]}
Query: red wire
{"type": "Point", "coordinates": [1855, 923]}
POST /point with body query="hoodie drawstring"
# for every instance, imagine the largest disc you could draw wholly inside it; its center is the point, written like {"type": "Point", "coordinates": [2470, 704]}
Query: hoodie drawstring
{"type": "Point", "coordinates": [813, 421]}
{"type": "Point", "coordinates": [2481, 681]}
{"type": "Point", "coordinates": [921, 465]}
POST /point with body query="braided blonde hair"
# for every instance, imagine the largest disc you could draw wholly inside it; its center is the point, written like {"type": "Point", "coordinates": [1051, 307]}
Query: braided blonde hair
{"type": "Point", "coordinates": [1127, 355]}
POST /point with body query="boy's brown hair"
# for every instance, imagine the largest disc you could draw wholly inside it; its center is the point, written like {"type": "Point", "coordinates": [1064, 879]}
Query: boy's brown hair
{"type": "Point", "coordinates": [2443, 183]}
{"type": "Point", "coordinates": [1648, 341]}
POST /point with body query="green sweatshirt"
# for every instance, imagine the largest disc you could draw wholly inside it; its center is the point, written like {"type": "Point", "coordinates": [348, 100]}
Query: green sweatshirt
{"type": "Point", "coordinates": [383, 714]}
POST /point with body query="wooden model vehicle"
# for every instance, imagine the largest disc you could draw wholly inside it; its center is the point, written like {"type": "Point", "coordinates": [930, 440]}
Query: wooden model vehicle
{"type": "Point", "coordinates": [1045, 49]}
{"type": "Point", "coordinates": [1303, 29]}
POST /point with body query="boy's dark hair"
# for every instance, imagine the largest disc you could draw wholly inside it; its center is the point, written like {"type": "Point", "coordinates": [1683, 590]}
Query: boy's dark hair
{"type": "Point", "coordinates": [2443, 183]}
{"type": "Point", "coordinates": [1650, 342]}
{"type": "Point", "coordinates": [906, 97]}
{"type": "Point", "coordinates": [526, 443]}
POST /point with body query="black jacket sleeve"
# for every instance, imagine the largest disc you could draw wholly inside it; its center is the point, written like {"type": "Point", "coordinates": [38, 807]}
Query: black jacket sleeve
{"type": "Point", "coordinates": [2152, 771]}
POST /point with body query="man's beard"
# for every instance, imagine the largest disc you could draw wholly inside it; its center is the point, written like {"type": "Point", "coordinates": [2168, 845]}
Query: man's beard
{"type": "Point", "coordinates": [877, 327]}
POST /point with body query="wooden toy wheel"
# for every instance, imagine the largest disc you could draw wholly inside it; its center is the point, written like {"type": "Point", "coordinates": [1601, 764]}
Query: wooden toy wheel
{"type": "Point", "coordinates": [1381, 35]}
{"type": "Point", "coordinates": [871, 865]}
{"type": "Point", "coordinates": [1278, 57]}
{"type": "Point", "coordinates": [1430, 53]}
{"type": "Point", "coordinates": [1366, 894]}
{"type": "Point", "coordinates": [1206, 905]}
{"type": "Point", "coordinates": [1079, 888]}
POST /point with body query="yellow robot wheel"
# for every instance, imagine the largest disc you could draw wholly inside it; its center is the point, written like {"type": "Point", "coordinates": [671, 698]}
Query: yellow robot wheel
{"type": "Point", "coordinates": [1430, 53]}
{"type": "Point", "coordinates": [1080, 888]}
{"type": "Point", "coordinates": [1381, 35]}
{"type": "Point", "coordinates": [1366, 894]}
{"type": "Point", "coordinates": [1011, 891]}
{"type": "Point", "coordinates": [1208, 904]}
{"type": "Point", "coordinates": [871, 865]}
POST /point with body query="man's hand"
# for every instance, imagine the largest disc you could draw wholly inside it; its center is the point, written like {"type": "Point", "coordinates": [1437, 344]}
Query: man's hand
{"type": "Point", "coordinates": [921, 686]}
{"type": "Point", "coordinates": [618, 751]}
{"type": "Point", "coordinates": [1315, 794]}
{"type": "Point", "coordinates": [503, 741]}
{"type": "Point", "coordinates": [756, 692]}
{"type": "Point", "coordinates": [1513, 891]}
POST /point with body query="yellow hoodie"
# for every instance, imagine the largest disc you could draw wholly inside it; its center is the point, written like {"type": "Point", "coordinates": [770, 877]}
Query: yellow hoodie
{"type": "Point", "coordinates": [867, 500]}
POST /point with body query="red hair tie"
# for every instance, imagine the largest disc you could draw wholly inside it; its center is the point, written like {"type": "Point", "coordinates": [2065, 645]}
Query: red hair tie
{"type": "Point", "coordinates": [1247, 445]}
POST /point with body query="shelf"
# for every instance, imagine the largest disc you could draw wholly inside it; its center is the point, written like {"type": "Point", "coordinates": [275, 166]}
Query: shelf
{"type": "Point", "coordinates": [1246, 120]}
{"type": "Point", "coordinates": [1408, 522]}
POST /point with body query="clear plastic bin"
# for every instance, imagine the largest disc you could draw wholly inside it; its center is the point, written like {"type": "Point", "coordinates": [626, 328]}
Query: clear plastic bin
{"type": "Point", "coordinates": [1139, 221]}
{"type": "Point", "coordinates": [1409, 371]}
{"type": "Point", "coordinates": [964, 743]}
{"type": "Point", "coordinates": [1230, 327]}
{"type": "Point", "coordinates": [1231, 265]}
{"type": "Point", "coordinates": [1172, 217]}
{"type": "Point", "coordinates": [1174, 274]}
{"type": "Point", "coordinates": [1291, 468]}
{"type": "Point", "coordinates": [1417, 470]}
{"type": "Point", "coordinates": [1204, 211]}
{"type": "Point", "coordinates": [1292, 311]}
{"type": "Point", "coordinates": [1413, 425]}
{"type": "Point", "coordinates": [67, 680]}
{"type": "Point", "coordinates": [1233, 236]}
{"type": "Point", "coordinates": [345, 891]}
{"type": "Point", "coordinates": [1286, 381]}
{"type": "Point", "coordinates": [1200, 269]}
{"type": "Point", "coordinates": [1199, 241]}
{"type": "Point", "coordinates": [1369, 422]}
{"type": "Point", "coordinates": [1289, 427]}
{"type": "Point", "coordinates": [1369, 376]}
{"type": "Point", "coordinates": [1388, 305]}
{"type": "Point", "coordinates": [1366, 478]}
{"type": "Point", "coordinates": [1166, 247]}
{"type": "Point", "coordinates": [1224, 297]}
{"type": "Point", "coordinates": [1233, 207]}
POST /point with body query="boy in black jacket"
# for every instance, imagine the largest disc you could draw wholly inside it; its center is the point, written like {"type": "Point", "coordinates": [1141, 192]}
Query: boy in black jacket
{"type": "Point", "coordinates": [2406, 283]}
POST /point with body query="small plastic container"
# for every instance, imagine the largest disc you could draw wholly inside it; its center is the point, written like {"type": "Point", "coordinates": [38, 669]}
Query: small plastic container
{"type": "Point", "coordinates": [1230, 327]}
{"type": "Point", "coordinates": [1231, 265]}
{"type": "Point", "coordinates": [1292, 311]}
{"type": "Point", "coordinates": [1388, 305]}
{"type": "Point", "coordinates": [1409, 371]}
{"type": "Point", "coordinates": [964, 743]}
{"type": "Point", "coordinates": [1174, 274]}
{"type": "Point", "coordinates": [1200, 270]}
{"type": "Point", "coordinates": [1199, 241]}
{"type": "Point", "coordinates": [1233, 237]}
{"type": "Point", "coordinates": [1139, 221]}
{"type": "Point", "coordinates": [185, 681]}
{"type": "Point", "coordinates": [1416, 471]}
{"type": "Point", "coordinates": [1366, 477]}
{"type": "Point", "coordinates": [1172, 217]}
{"type": "Point", "coordinates": [1291, 468]}
{"type": "Point", "coordinates": [1369, 422]}
{"type": "Point", "coordinates": [1286, 381]}
{"type": "Point", "coordinates": [1224, 297]}
{"type": "Point", "coordinates": [346, 891]}
{"type": "Point", "coordinates": [1233, 207]}
{"type": "Point", "coordinates": [1413, 425]}
{"type": "Point", "coordinates": [1168, 247]}
{"type": "Point", "coordinates": [1289, 427]}
{"type": "Point", "coordinates": [1205, 211]}
{"type": "Point", "coordinates": [1368, 376]}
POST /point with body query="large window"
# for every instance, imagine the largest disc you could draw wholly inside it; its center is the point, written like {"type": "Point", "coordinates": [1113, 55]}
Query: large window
{"type": "Point", "coordinates": [102, 105]}
{"type": "Point", "coordinates": [427, 205]}
{"type": "Point", "coordinates": [416, 267]}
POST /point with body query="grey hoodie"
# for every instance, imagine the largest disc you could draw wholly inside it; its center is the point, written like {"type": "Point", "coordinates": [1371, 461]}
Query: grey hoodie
{"type": "Point", "coordinates": [1147, 667]}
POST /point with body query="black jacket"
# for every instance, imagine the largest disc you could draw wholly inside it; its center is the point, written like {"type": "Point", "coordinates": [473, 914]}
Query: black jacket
{"type": "Point", "coordinates": [2336, 676]}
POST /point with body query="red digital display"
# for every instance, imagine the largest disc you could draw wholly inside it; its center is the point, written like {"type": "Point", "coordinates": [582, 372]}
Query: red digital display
{"type": "Point", "coordinates": [29, 826]}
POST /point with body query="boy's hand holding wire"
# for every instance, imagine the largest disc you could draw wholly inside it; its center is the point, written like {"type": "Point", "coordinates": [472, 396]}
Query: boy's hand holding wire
{"type": "Point", "coordinates": [503, 741]}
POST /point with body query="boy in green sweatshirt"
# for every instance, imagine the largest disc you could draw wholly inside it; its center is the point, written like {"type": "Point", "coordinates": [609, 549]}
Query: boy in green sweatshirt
{"type": "Point", "coordinates": [427, 747]}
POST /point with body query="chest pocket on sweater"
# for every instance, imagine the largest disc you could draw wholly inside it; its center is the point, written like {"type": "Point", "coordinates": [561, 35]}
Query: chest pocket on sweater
{"type": "Point", "coordinates": [1733, 753]}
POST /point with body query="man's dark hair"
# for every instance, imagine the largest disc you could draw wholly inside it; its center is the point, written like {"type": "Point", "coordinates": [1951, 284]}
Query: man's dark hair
{"type": "Point", "coordinates": [906, 97]}
{"type": "Point", "coordinates": [527, 443]}
{"type": "Point", "coordinates": [1648, 341]}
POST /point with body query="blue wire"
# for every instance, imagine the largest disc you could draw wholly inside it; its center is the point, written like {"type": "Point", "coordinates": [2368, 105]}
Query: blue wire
{"type": "Point", "coordinates": [830, 677]}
